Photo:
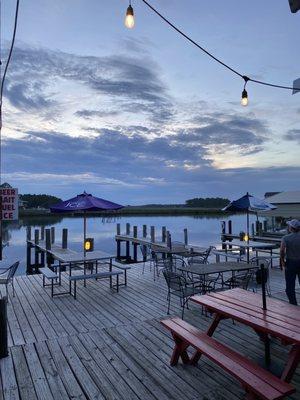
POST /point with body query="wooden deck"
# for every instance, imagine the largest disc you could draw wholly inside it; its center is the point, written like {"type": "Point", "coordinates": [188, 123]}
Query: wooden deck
{"type": "Point", "coordinates": [108, 345]}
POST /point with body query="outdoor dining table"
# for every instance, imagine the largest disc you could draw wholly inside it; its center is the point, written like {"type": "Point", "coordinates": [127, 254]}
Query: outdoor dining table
{"type": "Point", "coordinates": [71, 259]}
{"type": "Point", "coordinates": [252, 245]}
{"type": "Point", "coordinates": [280, 320]}
{"type": "Point", "coordinates": [215, 268]}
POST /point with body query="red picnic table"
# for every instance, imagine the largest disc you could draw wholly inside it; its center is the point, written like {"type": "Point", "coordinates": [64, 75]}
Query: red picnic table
{"type": "Point", "coordinates": [281, 320]}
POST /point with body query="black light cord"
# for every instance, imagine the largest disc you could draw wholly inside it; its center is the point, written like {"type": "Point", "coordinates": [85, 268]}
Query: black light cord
{"type": "Point", "coordinates": [9, 54]}
{"type": "Point", "coordinates": [246, 78]}
{"type": "Point", "coordinates": [5, 73]}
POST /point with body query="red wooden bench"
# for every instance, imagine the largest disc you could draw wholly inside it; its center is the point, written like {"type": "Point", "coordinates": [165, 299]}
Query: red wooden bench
{"type": "Point", "coordinates": [258, 382]}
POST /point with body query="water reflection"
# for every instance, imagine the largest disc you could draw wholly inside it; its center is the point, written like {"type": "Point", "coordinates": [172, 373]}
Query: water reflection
{"type": "Point", "coordinates": [202, 229]}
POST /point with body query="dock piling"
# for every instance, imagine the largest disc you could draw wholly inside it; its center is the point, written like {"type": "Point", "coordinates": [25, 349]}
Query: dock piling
{"type": "Point", "coordinates": [36, 250]}
{"type": "Point", "coordinates": [52, 234]}
{"type": "Point", "coordinates": [135, 245]}
{"type": "Point", "coordinates": [144, 247]}
{"type": "Point", "coordinates": [64, 240]}
{"type": "Point", "coordinates": [163, 234]}
{"type": "Point", "coordinates": [185, 233]}
{"type": "Point", "coordinates": [152, 234]}
{"type": "Point", "coordinates": [127, 243]}
{"type": "Point", "coordinates": [118, 242]}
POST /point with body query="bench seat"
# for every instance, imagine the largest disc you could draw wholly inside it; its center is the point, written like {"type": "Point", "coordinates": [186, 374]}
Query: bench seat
{"type": "Point", "coordinates": [123, 267]}
{"type": "Point", "coordinates": [258, 382]}
{"type": "Point", "coordinates": [48, 273]}
{"type": "Point", "coordinates": [98, 275]}
{"type": "Point", "coordinates": [228, 254]}
{"type": "Point", "coordinates": [51, 276]}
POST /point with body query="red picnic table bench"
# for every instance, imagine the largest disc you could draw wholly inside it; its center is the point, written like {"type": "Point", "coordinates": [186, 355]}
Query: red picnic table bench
{"type": "Point", "coordinates": [280, 320]}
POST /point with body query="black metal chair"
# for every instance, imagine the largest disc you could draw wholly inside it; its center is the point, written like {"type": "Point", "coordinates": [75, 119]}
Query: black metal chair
{"type": "Point", "coordinates": [7, 277]}
{"type": "Point", "coordinates": [201, 259]}
{"type": "Point", "coordinates": [256, 281]}
{"type": "Point", "coordinates": [179, 287]}
{"type": "Point", "coordinates": [147, 256]}
{"type": "Point", "coordinates": [240, 279]}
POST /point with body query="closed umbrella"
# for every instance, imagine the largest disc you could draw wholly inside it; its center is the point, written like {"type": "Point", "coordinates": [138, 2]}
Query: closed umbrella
{"type": "Point", "coordinates": [84, 202]}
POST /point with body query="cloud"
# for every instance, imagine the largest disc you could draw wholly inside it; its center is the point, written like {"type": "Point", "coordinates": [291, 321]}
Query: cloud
{"type": "Point", "coordinates": [293, 135]}
{"type": "Point", "coordinates": [220, 131]}
{"type": "Point", "coordinates": [88, 114]}
{"type": "Point", "coordinates": [125, 79]}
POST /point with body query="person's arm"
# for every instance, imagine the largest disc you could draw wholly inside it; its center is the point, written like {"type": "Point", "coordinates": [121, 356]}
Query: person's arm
{"type": "Point", "coordinates": [282, 254]}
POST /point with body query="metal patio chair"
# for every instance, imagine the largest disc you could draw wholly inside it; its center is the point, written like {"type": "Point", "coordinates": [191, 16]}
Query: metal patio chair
{"type": "Point", "coordinates": [179, 287]}
{"type": "Point", "coordinates": [7, 277]}
{"type": "Point", "coordinates": [201, 259]}
{"type": "Point", "coordinates": [256, 280]}
{"type": "Point", "coordinates": [148, 256]}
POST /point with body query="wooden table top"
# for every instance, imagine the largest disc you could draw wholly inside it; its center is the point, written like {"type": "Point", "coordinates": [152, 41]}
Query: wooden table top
{"type": "Point", "coordinates": [281, 319]}
{"type": "Point", "coordinates": [72, 257]}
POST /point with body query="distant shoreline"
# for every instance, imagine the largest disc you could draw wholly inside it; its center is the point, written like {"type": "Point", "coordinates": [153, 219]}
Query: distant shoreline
{"type": "Point", "coordinates": [132, 210]}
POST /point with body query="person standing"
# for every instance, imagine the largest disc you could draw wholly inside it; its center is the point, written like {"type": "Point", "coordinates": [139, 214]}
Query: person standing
{"type": "Point", "coordinates": [290, 258]}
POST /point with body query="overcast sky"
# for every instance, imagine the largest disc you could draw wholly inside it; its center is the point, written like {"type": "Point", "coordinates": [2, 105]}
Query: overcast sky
{"type": "Point", "coordinates": [142, 116]}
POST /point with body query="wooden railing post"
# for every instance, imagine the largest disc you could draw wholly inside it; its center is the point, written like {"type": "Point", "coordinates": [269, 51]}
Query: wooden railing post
{"type": "Point", "coordinates": [185, 233]}
{"type": "Point", "coordinates": [135, 245]}
{"type": "Point", "coordinates": [127, 242]}
{"type": "Point", "coordinates": [64, 239]}
{"type": "Point", "coordinates": [118, 242]}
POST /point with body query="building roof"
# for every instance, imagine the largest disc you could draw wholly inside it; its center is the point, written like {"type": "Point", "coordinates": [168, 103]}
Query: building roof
{"type": "Point", "coordinates": [292, 197]}
{"type": "Point", "coordinates": [269, 194]}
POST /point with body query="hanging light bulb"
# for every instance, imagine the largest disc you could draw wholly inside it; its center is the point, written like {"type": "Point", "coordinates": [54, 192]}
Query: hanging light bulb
{"type": "Point", "coordinates": [129, 19]}
{"type": "Point", "coordinates": [244, 100]}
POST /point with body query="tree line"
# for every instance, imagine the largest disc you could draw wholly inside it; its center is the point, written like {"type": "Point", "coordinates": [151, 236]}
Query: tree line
{"type": "Point", "coordinates": [39, 200]}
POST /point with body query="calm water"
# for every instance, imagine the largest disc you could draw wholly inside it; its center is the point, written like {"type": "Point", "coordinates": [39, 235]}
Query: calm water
{"type": "Point", "coordinates": [201, 230]}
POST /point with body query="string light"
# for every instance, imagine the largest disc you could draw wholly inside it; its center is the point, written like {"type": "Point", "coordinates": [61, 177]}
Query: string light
{"type": "Point", "coordinates": [129, 18]}
{"type": "Point", "coordinates": [244, 100]}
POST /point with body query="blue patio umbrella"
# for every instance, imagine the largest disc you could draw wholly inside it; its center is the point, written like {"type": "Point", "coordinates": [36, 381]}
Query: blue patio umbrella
{"type": "Point", "coordinates": [248, 204]}
{"type": "Point", "coordinates": [84, 202]}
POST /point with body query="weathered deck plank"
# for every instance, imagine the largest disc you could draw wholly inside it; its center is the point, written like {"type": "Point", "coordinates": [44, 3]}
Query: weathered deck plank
{"type": "Point", "coordinates": [108, 345]}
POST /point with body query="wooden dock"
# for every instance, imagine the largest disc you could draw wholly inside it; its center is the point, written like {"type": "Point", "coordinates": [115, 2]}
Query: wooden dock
{"type": "Point", "coordinates": [108, 345]}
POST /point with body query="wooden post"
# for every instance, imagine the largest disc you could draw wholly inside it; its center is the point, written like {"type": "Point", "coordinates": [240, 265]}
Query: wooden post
{"type": "Point", "coordinates": [28, 251]}
{"type": "Point", "coordinates": [144, 247]}
{"type": "Point", "coordinates": [64, 239]}
{"type": "Point", "coordinates": [169, 240]}
{"type": "Point", "coordinates": [163, 234]}
{"type": "Point", "coordinates": [48, 239]}
{"type": "Point", "coordinates": [127, 243]}
{"type": "Point", "coordinates": [118, 242]}
{"type": "Point", "coordinates": [152, 234]}
{"type": "Point", "coordinates": [43, 233]}
{"type": "Point", "coordinates": [230, 232]}
{"type": "Point", "coordinates": [257, 227]}
{"type": "Point", "coordinates": [135, 245]}
{"type": "Point", "coordinates": [52, 234]}
{"type": "Point", "coordinates": [48, 244]}
{"type": "Point", "coordinates": [260, 228]}
{"type": "Point", "coordinates": [28, 233]}
{"type": "Point", "coordinates": [223, 233]}
{"type": "Point", "coordinates": [144, 231]}
{"type": "Point", "coordinates": [36, 250]}
{"type": "Point", "coordinates": [185, 233]}
{"type": "Point", "coordinates": [252, 230]}
{"type": "Point", "coordinates": [265, 225]}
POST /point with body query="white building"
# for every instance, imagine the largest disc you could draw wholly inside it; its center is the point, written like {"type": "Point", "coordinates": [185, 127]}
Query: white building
{"type": "Point", "coordinates": [287, 203]}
